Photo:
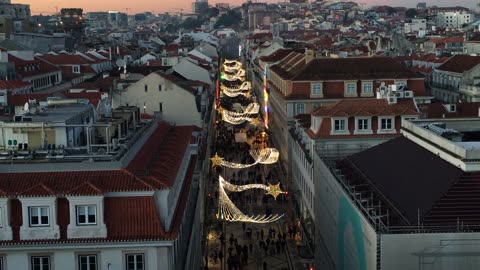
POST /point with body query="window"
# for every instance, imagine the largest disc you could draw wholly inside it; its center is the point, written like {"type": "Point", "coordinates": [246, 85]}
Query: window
{"type": "Point", "coordinates": [146, 88]}
{"type": "Point", "coordinates": [367, 88]}
{"type": "Point", "coordinates": [351, 89]}
{"type": "Point", "coordinates": [135, 262]}
{"type": "Point", "coordinates": [386, 124]}
{"type": "Point", "coordinates": [87, 262]}
{"type": "Point", "coordinates": [363, 124]}
{"type": "Point", "coordinates": [316, 89]}
{"type": "Point", "coordinates": [86, 214]}
{"type": "Point", "coordinates": [160, 107]}
{"type": "Point", "coordinates": [40, 262]}
{"type": "Point", "coordinates": [1, 226]}
{"type": "Point", "coordinates": [76, 69]}
{"type": "Point", "coordinates": [339, 125]}
{"type": "Point", "coordinates": [38, 216]}
{"type": "Point", "coordinates": [300, 108]}
{"type": "Point", "coordinates": [2, 263]}
{"type": "Point", "coordinates": [159, 87]}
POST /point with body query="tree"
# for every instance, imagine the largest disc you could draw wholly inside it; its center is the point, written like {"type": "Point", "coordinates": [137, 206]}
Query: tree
{"type": "Point", "coordinates": [213, 12]}
{"type": "Point", "coordinates": [191, 23]}
{"type": "Point", "coordinates": [391, 10]}
{"type": "Point", "coordinates": [229, 19]}
{"type": "Point", "coordinates": [411, 13]}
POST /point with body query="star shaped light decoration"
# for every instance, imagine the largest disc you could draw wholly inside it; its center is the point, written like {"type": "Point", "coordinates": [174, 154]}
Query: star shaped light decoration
{"type": "Point", "coordinates": [216, 160]}
{"type": "Point", "coordinates": [274, 190]}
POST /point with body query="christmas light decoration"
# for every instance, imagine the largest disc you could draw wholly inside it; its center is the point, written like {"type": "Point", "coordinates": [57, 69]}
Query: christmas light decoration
{"type": "Point", "coordinates": [237, 118]}
{"type": "Point", "coordinates": [230, 68]}
{"type": "Point", "coordinates": [264, 156]}
{"type": "Point", "coordinates": [228, 211]}
{"type": "Point", "coordinates": [238, 76]}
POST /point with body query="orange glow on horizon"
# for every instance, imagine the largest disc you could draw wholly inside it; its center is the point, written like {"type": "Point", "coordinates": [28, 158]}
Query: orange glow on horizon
{"type": "Point", "coordinates": [160, 6]}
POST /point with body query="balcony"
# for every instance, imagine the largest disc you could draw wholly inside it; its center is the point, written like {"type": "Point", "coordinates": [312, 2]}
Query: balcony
{"type": "Point", "coordinates": [444, 86]}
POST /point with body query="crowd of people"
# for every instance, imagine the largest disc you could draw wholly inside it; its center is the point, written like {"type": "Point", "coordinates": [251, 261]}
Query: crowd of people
{"type": "Point", "coordinates": [255, 241]}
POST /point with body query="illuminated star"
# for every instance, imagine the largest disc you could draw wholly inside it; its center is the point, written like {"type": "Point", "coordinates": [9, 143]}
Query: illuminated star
{"type": "Point", "coordinates": [274, 190]}
{"type": "Point", "coordinates": [216, 160]}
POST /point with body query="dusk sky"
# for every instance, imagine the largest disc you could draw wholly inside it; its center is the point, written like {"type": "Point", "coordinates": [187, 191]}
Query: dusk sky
{"type": "Point", "coordinates": [48, 6]}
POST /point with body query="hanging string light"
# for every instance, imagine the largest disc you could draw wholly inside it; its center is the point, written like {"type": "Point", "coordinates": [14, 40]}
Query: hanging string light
{"type": "Point", "coordinates": [228, 211]}
{"type": "Point", "coordinates": [264, 156]}
{"type": "Point", "coordinates": [237, 118]}
{"type": "Point", "coordinates": [237, 76]}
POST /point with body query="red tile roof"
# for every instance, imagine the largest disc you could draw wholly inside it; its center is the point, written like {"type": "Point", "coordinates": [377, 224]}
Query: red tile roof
{"type": "Point", "coordinates": [65, 59]}
{"type": "Point", "coordinates": [21, 99]}
{"type": "Point", "coordinates": [125, 221]}
{"type": "Point", "coordinates": [261, 36]}
{"type": "Point", "coordinates": [159, 160]}
{"type": "Point", "coordinates": [460, 63]}
{"type": "Point", "coordinates": [364, 107]}
{"type": "Point", "coordinates": [53, 183]}
{"type": "Point", "coordinates": [367, 107]}
{"type": "Point", "coordinates": [350, 68]}
{"type": "Point", "coordinates": [13, 85]}
{"type": "Point", "coordinates": [463, 110]}
{"type": "Point", "coordinates": [39, 66]}
{"type": "Point", "coordinates": [276, 56]}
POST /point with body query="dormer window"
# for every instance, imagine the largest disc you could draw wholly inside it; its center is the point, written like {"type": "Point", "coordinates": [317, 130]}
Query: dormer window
{"type": "Point", "coordinates": [316, 89]}
{"type": "Point", "coordinates": [367, 88]}
{"type": "Point", "coordinates": [76, 69]}
{"type": "Point", "coordinates": [363, 125]}
{"type": "Point", "coordinates": [351, 89]}
{"type": "Point", "coordinates": [339, 126]}
{"type": "Point", "coordinates": [86, 214]}
{"type": "Point", "coordinates": [38, 216]}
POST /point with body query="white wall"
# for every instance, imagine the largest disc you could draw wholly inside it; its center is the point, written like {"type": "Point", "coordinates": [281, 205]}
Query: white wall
{"type": "Point", "coordinates": [112, 258]}
{"type": "Point", "coordinates": [344, 238]}
{"type": "Point", "coordinates": [192, 72]}
{"type": "Point", "coordinates": [440, 251]}
{"type": "Point", "coordinates": [178, 105]}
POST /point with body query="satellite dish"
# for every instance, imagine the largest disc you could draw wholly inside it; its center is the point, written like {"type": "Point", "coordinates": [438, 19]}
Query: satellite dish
{"type": "Point", "coordinates": [26, 107]}
{"type": "Point", "coordinates": [382, 90]}
{"type": "Point", "coordinates": [120, 63]}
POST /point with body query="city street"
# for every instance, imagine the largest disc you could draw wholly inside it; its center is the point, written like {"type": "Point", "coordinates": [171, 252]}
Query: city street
{"type": "Point", "coordinates": [249, 245]}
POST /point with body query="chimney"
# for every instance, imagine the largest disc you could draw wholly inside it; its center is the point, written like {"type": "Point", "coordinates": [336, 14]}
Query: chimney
{"type": "Point", "coordinates": [309, 55]}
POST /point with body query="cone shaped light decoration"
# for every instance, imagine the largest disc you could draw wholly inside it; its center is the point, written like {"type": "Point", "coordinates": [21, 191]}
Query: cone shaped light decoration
{"type": "Point", "coordinates": [228, 211]}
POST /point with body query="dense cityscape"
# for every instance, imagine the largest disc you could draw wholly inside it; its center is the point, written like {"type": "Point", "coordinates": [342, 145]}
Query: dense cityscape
{"type": "Point", "coordinates": [295, 135]}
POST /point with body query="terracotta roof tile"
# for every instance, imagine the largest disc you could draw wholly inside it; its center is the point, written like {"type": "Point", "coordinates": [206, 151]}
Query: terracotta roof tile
{"type": "Point", "coordinates": [367, 107]}
{"type": "Point", "coordinates": [133, 218]}
{"type": "Point", "coordinates": [21, 99]}
{"type": "Point", "coordinates": [460, 63]}
{"type": "Point", "coordinates": [13, 84]}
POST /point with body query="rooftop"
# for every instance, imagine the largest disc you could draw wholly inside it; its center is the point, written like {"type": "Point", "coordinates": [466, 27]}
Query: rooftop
{"type": "Point", "coordinates": [460, 63]}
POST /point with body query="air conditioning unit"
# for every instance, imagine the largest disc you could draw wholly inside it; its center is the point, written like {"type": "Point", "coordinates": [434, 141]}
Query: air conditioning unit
{"type": "Point", "coordinates": [400, 94]}
{"type": "Point", "coordinates": [392, 99]}
{"type": "Point", "coordinates": [408, 94]}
